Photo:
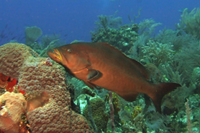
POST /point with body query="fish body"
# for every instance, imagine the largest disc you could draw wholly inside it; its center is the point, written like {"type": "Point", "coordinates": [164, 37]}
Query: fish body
{"type": "Point", "coordinates": [100, 64]}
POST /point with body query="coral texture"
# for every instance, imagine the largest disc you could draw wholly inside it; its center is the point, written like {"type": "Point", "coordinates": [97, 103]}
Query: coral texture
{"type": "Point", "coordinates": [12, 57]}
{"type": "Point", "coordinates": [15, 105]}
{"type": "Point", "coordinates": [47, 95]}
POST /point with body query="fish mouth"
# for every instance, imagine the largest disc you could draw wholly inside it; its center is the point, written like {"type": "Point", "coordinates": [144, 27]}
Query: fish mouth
{"type": "Point", "coordinates": [55, 55]}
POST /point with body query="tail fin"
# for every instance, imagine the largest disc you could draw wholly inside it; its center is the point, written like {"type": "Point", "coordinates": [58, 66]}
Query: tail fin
{"type": "Point", "coordinates": [161, 90]}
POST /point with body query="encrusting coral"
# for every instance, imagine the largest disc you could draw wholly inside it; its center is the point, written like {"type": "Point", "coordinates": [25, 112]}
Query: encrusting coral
{"type": "Point", "coordinates": [47, 94]}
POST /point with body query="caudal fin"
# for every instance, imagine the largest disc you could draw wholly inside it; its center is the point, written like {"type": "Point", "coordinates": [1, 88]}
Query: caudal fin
{"type": "Point", "coordinates": [161, 90]}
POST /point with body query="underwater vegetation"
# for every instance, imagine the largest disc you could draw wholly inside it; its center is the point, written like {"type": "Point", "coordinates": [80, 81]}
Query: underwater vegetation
{"type": "Point", "coordinates": [47, 41]}
{"type": "Point", "coordinates": [190, 22]}
{"type": "Point", "coordinates": [170, 56]}
{"type": "Point", "coordinates": [46, 98]}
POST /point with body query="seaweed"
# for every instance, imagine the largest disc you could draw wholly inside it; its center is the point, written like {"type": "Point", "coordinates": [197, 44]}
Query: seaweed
{"type": "Point", "coordinates": [190, 22]}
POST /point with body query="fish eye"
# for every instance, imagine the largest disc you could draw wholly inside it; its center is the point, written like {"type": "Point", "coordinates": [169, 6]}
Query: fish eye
{"type": "Point", "coordinates": [69, 50]}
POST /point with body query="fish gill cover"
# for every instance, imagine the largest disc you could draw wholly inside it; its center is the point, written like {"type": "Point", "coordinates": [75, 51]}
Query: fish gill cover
{"type": "Point", "coordinates": [47, 98]}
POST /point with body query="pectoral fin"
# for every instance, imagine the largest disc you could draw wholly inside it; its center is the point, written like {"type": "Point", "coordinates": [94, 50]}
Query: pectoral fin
{"type": "Point", "coordinates": [93, 74]}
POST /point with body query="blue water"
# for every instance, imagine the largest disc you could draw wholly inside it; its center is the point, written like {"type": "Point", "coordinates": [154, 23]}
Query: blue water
{"type": "Point", "coordinates": [74, 19]}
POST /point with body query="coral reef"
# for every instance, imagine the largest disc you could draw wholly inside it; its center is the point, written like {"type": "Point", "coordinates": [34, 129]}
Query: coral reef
{"type": "Point", "coordinates": [46, 90]}
{"type": "Point", "coordinates": [13, 105]}
{"type": "Point", "coordinates": [170, 56]}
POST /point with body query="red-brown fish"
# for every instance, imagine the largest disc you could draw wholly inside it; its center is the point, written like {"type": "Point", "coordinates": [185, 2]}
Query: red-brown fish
{"type": "Point", "coordinates": [100, 64]}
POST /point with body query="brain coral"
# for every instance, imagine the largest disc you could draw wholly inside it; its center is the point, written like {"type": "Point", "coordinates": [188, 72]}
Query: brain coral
{"type": "Point", "coordinates": [47, 94]}
{"type": "Point", "coordinates": [12, 57]}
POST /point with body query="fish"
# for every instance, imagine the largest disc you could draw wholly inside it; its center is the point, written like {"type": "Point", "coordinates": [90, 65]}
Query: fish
{"type": "Point", "coordinates": [100, 64]}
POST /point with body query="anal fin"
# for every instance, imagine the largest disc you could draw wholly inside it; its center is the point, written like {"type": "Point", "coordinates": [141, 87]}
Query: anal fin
{"type": "Point", "coordinates": [130, 97]}
{"type": "Point", "coordinates": [92, 86]}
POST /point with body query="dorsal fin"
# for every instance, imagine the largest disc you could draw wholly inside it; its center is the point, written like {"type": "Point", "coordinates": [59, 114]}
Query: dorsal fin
{"type": "Point", "coordinates": [139, 66]}
{"type": "Point", "coordinates": [110, 46]}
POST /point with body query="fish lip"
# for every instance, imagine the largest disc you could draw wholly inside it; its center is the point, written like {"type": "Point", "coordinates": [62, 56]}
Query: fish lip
{"type": "Point", "coordinates": [56, 52]}
{"type": "Point", "coordinates": [55, 55]}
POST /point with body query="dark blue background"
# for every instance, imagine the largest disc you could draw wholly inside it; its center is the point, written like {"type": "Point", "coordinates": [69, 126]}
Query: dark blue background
{"type": "Point", "coordinates": [74, 19]}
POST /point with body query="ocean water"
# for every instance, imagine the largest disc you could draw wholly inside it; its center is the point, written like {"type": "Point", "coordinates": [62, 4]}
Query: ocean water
{"type": "Point", "coordinates": [162, 38]}
{"type": "Point", "coordinates": [74, 19]}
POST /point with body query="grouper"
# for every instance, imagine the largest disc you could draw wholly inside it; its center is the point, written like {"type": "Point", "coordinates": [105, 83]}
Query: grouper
{"type": "Point", "coordinates": [100, 64]}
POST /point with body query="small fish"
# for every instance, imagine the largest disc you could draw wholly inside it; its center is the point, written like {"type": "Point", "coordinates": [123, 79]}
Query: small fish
{"type": "Point", "coordinates": [100, 64]}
